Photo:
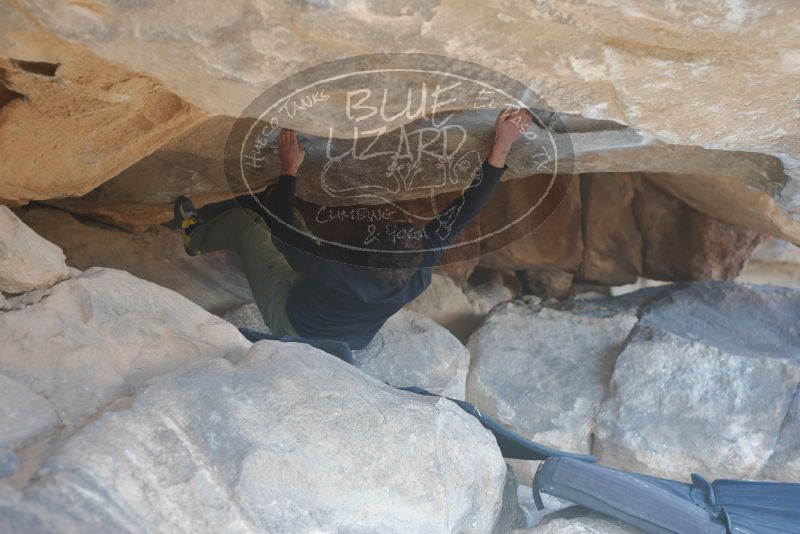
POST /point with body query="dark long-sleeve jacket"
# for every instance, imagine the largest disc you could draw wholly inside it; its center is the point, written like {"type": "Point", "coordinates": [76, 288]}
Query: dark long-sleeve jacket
{"type": "Point", "coordinates": [343, 299]}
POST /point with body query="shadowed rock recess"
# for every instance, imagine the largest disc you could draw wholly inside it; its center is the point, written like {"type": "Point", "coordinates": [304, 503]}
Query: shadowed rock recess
{"type": "Point", "coordinates": [130, 402]}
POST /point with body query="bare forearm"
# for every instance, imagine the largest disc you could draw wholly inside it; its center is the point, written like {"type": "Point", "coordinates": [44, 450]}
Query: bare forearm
{"type": "Point", "coordinates": [498, 154]}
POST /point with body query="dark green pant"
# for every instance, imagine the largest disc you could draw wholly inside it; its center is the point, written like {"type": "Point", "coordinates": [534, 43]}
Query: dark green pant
{"type": "Point", "coordinates": [268, 273]}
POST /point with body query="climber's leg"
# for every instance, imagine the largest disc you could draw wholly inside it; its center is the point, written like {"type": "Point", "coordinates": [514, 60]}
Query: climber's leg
{"type": "Point", "coordinates": [269, 275]}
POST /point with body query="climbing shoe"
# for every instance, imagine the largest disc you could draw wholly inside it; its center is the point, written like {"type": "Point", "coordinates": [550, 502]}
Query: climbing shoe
{"type": "Point", "coordinates": [187, 220]}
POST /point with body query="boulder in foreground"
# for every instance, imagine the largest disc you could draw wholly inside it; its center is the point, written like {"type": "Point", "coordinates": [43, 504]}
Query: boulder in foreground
{"type": "Point", "coordinates": [92, 339]}
{"type": "Point", "coordinates": [289, 440]}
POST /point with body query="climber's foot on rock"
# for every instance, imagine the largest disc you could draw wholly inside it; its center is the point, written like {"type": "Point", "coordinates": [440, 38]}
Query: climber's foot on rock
{"type": "Point", "coordinates": [187, 220]}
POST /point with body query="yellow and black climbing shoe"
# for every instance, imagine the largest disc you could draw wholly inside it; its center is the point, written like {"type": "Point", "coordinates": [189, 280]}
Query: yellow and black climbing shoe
{"type": "Point", "coordinates": [187, 220]}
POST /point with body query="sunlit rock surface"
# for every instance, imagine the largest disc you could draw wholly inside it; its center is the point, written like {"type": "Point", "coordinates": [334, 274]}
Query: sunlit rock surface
{"type": "Point", "coordinates": [545, 372]}
{"type": "Point", "coordinates": [94, 338]}
{"type": "Point", "coordinates": [285, 441]}
{"type": "Point", "coordinates": [680, 89]}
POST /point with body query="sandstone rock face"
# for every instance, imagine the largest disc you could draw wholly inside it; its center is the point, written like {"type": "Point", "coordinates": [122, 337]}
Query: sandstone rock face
{"type": "Point", "coordinates": [550, 238]}
{"type": "Point", "coordinates": [94, 338]}
{"type": "Point", "coordinates": [412, 350]}
{"type": "Point", "coordinates": [612, 245]}
{"type": "Point", "coordinates": [596, 55]}
{"type": "Point", "coordinates": [668, 380]}
{"type": "Point", "coordinates": [485, 296]}
{"type": "Point", "coordinates": [219, 447]}
{"type": "Point", "coordinates": [784, 463]}
{"type": "Point", "coordinates": [680, 243]}
{"type": "Point", "coordinates": [27, 261]}
{"type": "Point", "coordinates": [545, 372]}
{"type": "Point", "coordinates": [444, 302]}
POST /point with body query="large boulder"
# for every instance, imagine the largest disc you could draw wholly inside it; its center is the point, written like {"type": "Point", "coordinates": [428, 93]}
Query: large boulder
{"type": "Point", "coordinates": [24, 416]}
{"type": "Point", "coordinates": [678, 406]}
{"type": "Point", "coordinates": [94, 338]}
{"type": "Point", "coordinates": [544, 372]}
{"type": "Point", "coordinates": [411, 349]}
{"type": "Point", "coordinates": [289, 440]}
{"type": "Point", "coordinates": [126, 86]}
{"type": "Point", "coordinates": [27, 261]}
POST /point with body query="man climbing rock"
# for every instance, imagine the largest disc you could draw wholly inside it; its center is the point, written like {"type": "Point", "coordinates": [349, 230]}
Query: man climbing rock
{"type": "Point", "coordinates": [312, 291]}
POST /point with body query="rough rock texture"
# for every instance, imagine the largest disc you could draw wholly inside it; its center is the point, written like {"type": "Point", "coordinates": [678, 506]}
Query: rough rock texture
{"type": "Point", "coordinates": [596, 54]}
{"type": "Point", "coordinates": [412, 350]}
{"type": "Point", "coordinates": [213, 280]}
{"type": "Point", "coordinates": [681, 243]}
{"type": "Point", "coordinates": [549, 238]}
{"type": "Point", "coordinates": [730, 352]}
{"type": "Point", "coordinates": [24, 415]}
{"type": "Point", "coordinates": [445, 302]}
{"type": "Point", "coordinates": [545, 372]}
{"type": "Point", "coordinates": [678, 407]}
{"type": "Point", "coordinates": [484, 296]}
{"type": "Point", "coordinates": [773, 262]}
{"type": "Point", "coordinates": [784, 463]}
{"type": "Point", "coordinates": [218, 447]}
{"type": "Point", "coordinates": [590, 523]}
{"type": "Point", "coordinates": [705, 381]}
{"type": "Point", "coordinates": [549, 283]}
{"type": "Point", "coordinates": [92, 339]}
{"type": "Point", "coordinates": [247, 316]}
{"type": "Point", "coordinates": [681, 77]}
{"type": "Point", "coordinates": [612, 247]}
{"type": "Point", "coordinates": [77, 120]}
{"type": "Point", "coordinates": [27, 261]}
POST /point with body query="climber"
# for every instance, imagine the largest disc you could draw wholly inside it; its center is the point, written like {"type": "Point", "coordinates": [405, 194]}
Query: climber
{"type": "Point", "coordinates": [305, 290]}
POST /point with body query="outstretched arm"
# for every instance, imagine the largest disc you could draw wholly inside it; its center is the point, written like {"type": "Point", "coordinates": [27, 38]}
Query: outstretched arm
{"type": "Point", "coordinates": [286, 238]}
{"type": "Point", "coordinates": [510, 124]}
